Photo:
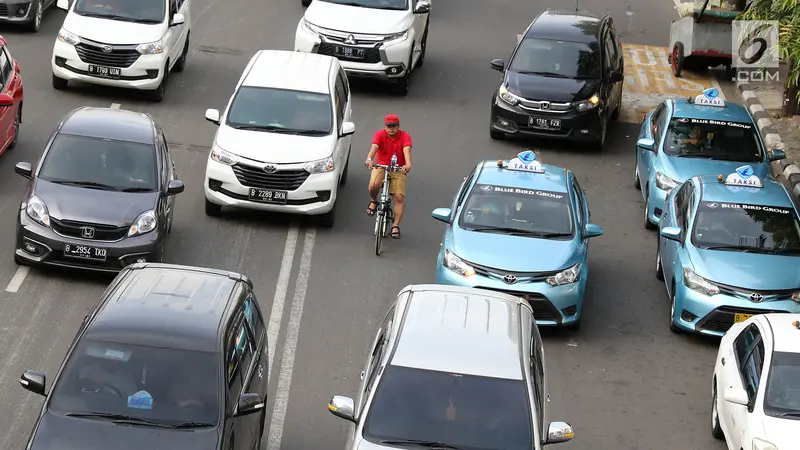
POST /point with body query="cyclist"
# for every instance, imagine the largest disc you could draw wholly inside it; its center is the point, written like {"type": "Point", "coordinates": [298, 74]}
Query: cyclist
{"type": "Point", "coordinates": [390, 140]}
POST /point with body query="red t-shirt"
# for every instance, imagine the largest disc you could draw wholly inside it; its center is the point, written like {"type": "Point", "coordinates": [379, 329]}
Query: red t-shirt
{"type": "Point", "coordinates": [389, 145]}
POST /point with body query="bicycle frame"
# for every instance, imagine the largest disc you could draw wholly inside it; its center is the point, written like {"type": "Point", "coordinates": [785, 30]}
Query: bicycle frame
{"type": "Point", "coordinates": [384, 216]}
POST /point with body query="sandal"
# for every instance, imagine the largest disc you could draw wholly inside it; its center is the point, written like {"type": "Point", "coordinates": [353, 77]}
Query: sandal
{"type": "Point", "coordinates": [371, 210]}
{"type": "Point", "coordinates": [395, 234]}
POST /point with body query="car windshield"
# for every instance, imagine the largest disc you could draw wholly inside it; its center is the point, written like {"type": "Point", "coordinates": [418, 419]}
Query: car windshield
{"type": "Point", "coordinates": [281, 110]}
{"type": "Point", "coordinates": [560, 59]}
{"type": "Point", "coordinates": [752, 228]}
{"type": "Point", "coordinates": [712, 139]}
{"type": "Point", "coordinates": [143, 11]}
{"type": "Point", "coordinates": [100, 164]}
{"type": "Point", "coordinates": [783, 386]}
{"type": "Point", "coordinates": [463, 411]}
{"type": "Point", "coordinates": [509, 210]}
{"type": "Point", "coordinates": [400, 5]}
{"type": "Point", "coordinates": [161, 385]}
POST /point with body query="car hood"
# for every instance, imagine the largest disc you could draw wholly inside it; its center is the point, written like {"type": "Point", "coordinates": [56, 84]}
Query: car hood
{"type": "Point", "coordinates": [354, 19]}
{"type": "Point", "coordinates": [520, 254]}
{"type": "Point", "coordinates": [780, 432]}
{"type": "Point", "coordinates": [113, 31]}
{"type": "Point", "coordinates": [274, 147]}
{"type": "Point", "coordinates": [681, 169]}
{"type": "Point", "coordinates": [56, 432]}
{"type": "Point", "coordinates": [113, 208]}
{"type": "Point", "coordinates": [747, 270]}
{"type": "Point", "coordinates": [559, 90]}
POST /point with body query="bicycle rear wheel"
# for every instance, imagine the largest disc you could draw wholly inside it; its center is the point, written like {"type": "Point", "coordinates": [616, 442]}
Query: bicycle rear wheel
{"type": "Point", "coordinates": [381, 221]}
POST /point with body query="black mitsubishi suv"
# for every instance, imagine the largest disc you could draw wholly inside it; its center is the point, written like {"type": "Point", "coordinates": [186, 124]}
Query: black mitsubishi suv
{"type": "Point", "coordinates": [563, 80]}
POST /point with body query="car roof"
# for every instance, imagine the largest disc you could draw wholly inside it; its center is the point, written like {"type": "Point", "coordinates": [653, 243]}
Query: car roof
{"type": "Point", "coordinates": [107, 123]}
{"type": "Point", "coordinates": [553, 179]}
{"type": "Point", "coordinates": [298, 71]}
{"type": "Point", "coordinates": [772, 194]}
{"type": "Point", "coordinates": [785, 336]}
{"type": "Point", "coordinates": [732, 112]}
{"type": "Point", "coordinates": [461, 330]}
{"type": "Point", "coordinates": [575, 26]}
{"type": "Point", "coordinates": [164, 305]}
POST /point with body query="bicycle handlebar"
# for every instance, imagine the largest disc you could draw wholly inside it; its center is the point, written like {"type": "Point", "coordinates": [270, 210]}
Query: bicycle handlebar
{"type": "Point", "coordinates": [389, 168]}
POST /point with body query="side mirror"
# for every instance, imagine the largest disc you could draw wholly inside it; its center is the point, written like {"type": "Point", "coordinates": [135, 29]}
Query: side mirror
{"type": "Point", "coordinates": [348, 128]}
{"type": "Point", "coordinates": [24, 169]}
{"type": "Point", "coordinates": [6, 100]}
{"type": "Point", "coordinates": [423, 7]}
{"type": "Point", "coordinates": [33, 381]}
{"type": "Point", "coordinates": [737, 396]}
{"type": "Point", "coordinates": [591, 230]}
{"type": "Point", "coordinates": [249, 404]}
{"type": "Point", "coordinates": [212, 115]}
{"type": "Point", "coordinates": [498, 65]}
{"type": "Point", "coordinates": [63, 4]}
{"type": "Point", "coordinates": [559, 432]}
{"type": "Point", "coordinates": [442, 214]}
{"type": "Point", "coordinates": [175, 187]}
{"type": "Point", "coordinates": [177, 19]}
{"type": "Point", "coordinates": [342, 407]}
{"type": "Point", "coordinates": [671, 233]}
{"type": "Point", "coordinates": [615, 77]}
{"type": "Point", "coordinates": [646, 143]}
{"type": "Point", "coordinates": [774, 154]}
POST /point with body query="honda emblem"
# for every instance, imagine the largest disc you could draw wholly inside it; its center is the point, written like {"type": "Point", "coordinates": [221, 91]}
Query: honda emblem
{"type": "Point", "coordinates": [87, 232]}
{"type": "Point", "coordinates": [545, 106]}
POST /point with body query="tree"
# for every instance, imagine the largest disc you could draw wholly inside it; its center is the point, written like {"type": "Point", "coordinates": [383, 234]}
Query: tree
{"type": "Point", "coordinates": [787, 13]}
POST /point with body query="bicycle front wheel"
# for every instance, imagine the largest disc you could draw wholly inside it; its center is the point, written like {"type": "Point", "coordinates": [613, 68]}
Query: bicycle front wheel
{"type": "Point", "coordinates": [380, 221]}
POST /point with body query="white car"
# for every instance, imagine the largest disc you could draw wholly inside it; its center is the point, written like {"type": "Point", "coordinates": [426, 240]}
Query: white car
{"type": "Point", "coordinates": [134, 44]}
{"type": "Point", "coordinates": [284, 139]}
{"type": "Point", "coordinates": [756, 385]}
{"type": "Point", "coordinates": [379, 39]}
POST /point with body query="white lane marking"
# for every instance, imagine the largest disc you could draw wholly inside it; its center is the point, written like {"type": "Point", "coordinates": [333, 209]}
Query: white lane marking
{"type": "Point", "coordinates": [276, 316]}
{"type": "Point", "coordinates": [289, 347]}
{"type": "Point", "coordinates": [115, 105]}
{"type": "Point", "coordinates": [17, 279]}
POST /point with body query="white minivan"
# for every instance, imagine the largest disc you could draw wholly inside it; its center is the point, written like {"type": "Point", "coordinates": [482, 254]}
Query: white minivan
{"type": "Point", "coordinates": [130, 44]}
{"type": "Point", "coordinates": [283, 141]}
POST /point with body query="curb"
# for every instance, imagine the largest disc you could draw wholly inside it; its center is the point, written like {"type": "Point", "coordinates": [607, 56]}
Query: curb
{"type": "Point", "coordinates": [785, 169]}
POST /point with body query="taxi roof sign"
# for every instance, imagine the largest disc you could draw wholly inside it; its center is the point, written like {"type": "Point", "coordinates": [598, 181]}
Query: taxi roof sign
{"type": "Point", "coordinates": [709, 97]}
{"type": "Point", "coordinates": [525, 162]}
{"type": "Point", "coordinates": [744, 176]}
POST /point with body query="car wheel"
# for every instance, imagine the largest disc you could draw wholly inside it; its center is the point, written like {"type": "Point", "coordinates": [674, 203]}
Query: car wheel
{"type": "Point", "coordinates": [305, 2]}
{"type": "Point", "coordinates": [672, 327]}
{"type": "Point", "coordinates": [181, 64]}
{"type": "Point", "coordinates": [403, 85]}
{"type": "Point", "coordinates": [600, 144]}
{"type": "Point", "coordinates": [212, 209]}
{"type": "Point", "coordinates": [637, 183]}
{"type": "Point", "coordinates": [676, 60]}
{"type": "Point", "coordinates": [17, 122]}
{"type": "Point", "coordinates": [575, 326]}
{"type": "Point", "coordinates": [19, 261]}
{"type": "Point", "coordinates": [59, 84]}
{"type": "Point", "coordinates": [716, 429]}
{"type": "Point", "coordinates": [496, 135]}
{"type": "Point", "coordinates": [36, 21]}
{"type": "Point", "coordinates": [659, 267]}
{"type": "Point", "coordinates": [328, 219]}
{"type": "Point", "coordinates": [424, 46]}
{"type": "Point", "coordinates": [343, 180]}
{"type": "Point", "coordinates": [161, 91]}
{"type": "Point", "coordinates": [648, 225]}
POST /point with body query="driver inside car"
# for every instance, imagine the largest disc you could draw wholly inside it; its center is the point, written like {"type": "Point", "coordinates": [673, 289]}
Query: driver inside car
{"type": "Point", "coordinates": [107, 377]}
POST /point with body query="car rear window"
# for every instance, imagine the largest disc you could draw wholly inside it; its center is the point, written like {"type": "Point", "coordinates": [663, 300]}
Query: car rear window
{"type": "Point", "coordinates": [713, 139]}
{"type": "Point", "coordinates": [783, 386]}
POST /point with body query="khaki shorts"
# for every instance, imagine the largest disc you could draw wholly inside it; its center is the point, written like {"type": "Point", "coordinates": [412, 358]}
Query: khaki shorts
{"type": "Point", "coordinates": [397, 180]}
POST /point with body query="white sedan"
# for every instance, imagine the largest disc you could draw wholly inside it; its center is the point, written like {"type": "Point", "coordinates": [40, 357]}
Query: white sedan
{"type": "Point", "coordinates": [756, 386]}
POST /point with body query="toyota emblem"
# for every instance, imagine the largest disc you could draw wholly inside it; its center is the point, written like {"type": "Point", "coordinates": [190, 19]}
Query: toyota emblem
{"type": "Point", "coordinates": [350, 40]}
{"type": "Point", "coordinates": [509, 279]}
{"type": "Point", "coordinates": [545, 105]}
{"type": "Point", "coordinates": [755, 297]}
{"type": "Point", "coordinates": [87, 232]}
{"type": "Point", "coordinates": [106, 48]}
{"type": "Point", "coordinates": [270, 169]}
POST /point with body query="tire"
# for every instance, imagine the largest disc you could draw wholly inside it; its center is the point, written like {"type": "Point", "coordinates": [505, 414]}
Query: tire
{"type": "Point", "coordinates": [212, 209]}
{"type": "Point", "coordinates": [496, 135]}
{"type": "Point", "coordinates": [305, 3]}
{"type": "Point", "coordinates": [672, 327]}
{"type": "Point", "coordinates": [181, 63]}
{"type": "Point", "coordinates": [659, 266]}
{"type": "Point", "coordinates": [676, 59]}
{"type": "Point", "coordinates": [35, 23]}
{"type": "Point", "coordinates": [424, 44]}
{"type": "Point", "coordinates": [647, 224]}
{"type": "Point", "coordinates": [59, 84]}
{"type": "Point", "coordinates": [575, 326]}
{"type": "Point", "coordinates": [379, 234]}
{"type": "Point", "coordinates": [328, 219]}
{"type": "Point", "coordinates": [403, 85]}
{"type": "Point", "coordinates": [601, 143]}
{"type": "Point", "coordinates": [343, 180]}
{"type": "Point", "coordinates": [716, 429]}
{"type": "Point", "coordinates": [637, 183]}
{"type": "Point", "coordinates": [19, 261]}
{"type": "Point", "coordinates": [17, 124]}
{"type": "Point", "coordinates": [160, 92]}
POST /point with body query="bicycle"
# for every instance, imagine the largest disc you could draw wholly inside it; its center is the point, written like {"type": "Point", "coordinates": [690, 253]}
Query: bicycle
{"type": "Point", "coordinates": [384, 214]}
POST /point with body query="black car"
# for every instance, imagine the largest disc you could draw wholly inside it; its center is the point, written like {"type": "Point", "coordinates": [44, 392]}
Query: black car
{"type": "Point", "coordinates": [102, 196]}
{"type": "Point", "coordinates": [25, 12]}
{"type": "Point", "coordinates": [563, 80]}
{"type": "Point", "coordinates": [172, 357]}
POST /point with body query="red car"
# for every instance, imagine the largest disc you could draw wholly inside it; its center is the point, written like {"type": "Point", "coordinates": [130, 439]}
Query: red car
{"type": "Point", "coordinates": [10, 98]}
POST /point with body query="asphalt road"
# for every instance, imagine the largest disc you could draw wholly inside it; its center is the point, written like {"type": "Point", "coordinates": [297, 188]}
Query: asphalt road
{"type": "Point", "coordinates": [624, 381]}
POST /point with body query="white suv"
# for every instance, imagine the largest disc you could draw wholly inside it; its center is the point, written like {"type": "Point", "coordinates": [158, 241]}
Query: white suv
{"type": "Point", "coordinates": [379, 39]}
{"type": "Point", "coordinates": [284, 140]}
{"type": "Point", "coordinates": [133, 44]}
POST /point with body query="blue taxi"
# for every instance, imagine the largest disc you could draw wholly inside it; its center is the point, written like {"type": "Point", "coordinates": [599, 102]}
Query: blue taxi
{"type": "Point", "coordinates": [520, 227]}
{"type": "Point", "coordinates": [728, 248]}
{"type": "Point", "coordinates": [682, 138]}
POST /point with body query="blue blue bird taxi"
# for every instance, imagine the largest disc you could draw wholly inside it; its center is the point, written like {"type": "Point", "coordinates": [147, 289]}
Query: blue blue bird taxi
{"type": "Point", "coordinates": [682, 138]}
{"type": "Point", "coordinates": [728, 249]}
{"type": "Point", "coordinates": [523, 228]}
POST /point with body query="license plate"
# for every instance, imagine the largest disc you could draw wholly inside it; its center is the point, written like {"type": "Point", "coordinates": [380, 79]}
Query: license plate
{"type": "Point", "coordinates": [544, 124]}
{"type": "Point", "coordinates": [348, 52]}
{"type": "Point", "coordinates": [104, 72]}
{"type": "Point", "coordinates": [267, 196]}
{"type": "Point", "coordinates": [85, 252]}
{"type": "Point", "coordinates": [741, 317]}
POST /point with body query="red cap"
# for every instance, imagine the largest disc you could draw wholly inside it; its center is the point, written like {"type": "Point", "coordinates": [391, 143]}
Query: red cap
{"type": "Point", "coordinates": [391, 118]}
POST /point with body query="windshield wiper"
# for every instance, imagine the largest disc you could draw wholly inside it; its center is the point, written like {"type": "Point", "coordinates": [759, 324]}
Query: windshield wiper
{"type": "Point", "coordinates": [417, 442]}
{"type": "Point", "coordinates": [136, 189]}
{"type": "Point", "coordinates": [274, 129]}
{"type": "Point", "coordinates": [546, 235]}
{"type": "Point", "coordinates": [696, 155]}
{"type": "Point", "coordinates": [545, 74]}
{"type": "Point", "coordinates": [117, 418]}
{"type": "Point", "coordinates": [351, 4]}
{"type": "Point", "coordinates": [191, 425]}
{"type": "Point", "coordinates": [506, 230]}
{"type": "Point", "coordinates": [790, 414]}
{"type": "Point", "coordinates": [87, 184]}
{"type": "Point", "coordinates": [518, 232]}
{"type": "Point", "coordinates": [741, 248]}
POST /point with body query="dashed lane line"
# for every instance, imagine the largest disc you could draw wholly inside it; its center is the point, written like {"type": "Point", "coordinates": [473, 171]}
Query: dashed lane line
{"type": "Point", "coordinates": [278, 301]}
{"type": "Point", "coordinates": [17, 279]}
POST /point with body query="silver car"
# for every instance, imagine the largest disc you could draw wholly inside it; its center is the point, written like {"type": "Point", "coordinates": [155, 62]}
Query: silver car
{"type": "Point", "coordinates": [453, 367]}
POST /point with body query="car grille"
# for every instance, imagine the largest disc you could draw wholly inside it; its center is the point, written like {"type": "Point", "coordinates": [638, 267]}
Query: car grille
{"type": "Point", "coordinates": [3, 10]}
{"type": "Point", "coordinates": [721, 319]}
{"type": "Point", "coordinates": [371, 55]}
{"type": "Point", "coordinates": [766, 296]}
{"type": "Point", "coordinates": [542, 308]}
{"type": "Point", "coordinates": [101, 232]}
{"type": "Point", "coordinates": [118, 57]}
{"type": "Point", "coordinates": [521, 277]}
{"type": "Point", "coordinates": [284, 180]}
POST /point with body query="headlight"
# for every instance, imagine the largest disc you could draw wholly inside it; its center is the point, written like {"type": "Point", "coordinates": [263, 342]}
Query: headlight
{"type": "Point", "coordinates": [454, 263]}
{"type": "Point", "coordinates": [37, 211]}
{"type": "Point", "coordinates": [586, 105]}
{"type": "Point", "coordinates": [321, 166]}
{"type": "Point", "coordinates": [759, 444]}
{"type": "Point", "coordinates": [567, 276]}
{"type": "Point", "coordinates": [68, 38]}
{"type": "Point", "coordinates": [396, 37]}
{"type": "Point", "coordinates": [221, 156]}
{"type": "Point", "coordinates": [665, 183]}
{"type": "Point", "coordinates": [145, 223]}
{"type": "Point", "coordinates": [308, 26]}
{"type": "Point", "coordinates": [506, 96]}
{"type": "Point", "coordinates": [153, 48]}
{"type": "Point", "coordinates": [697, 283]}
